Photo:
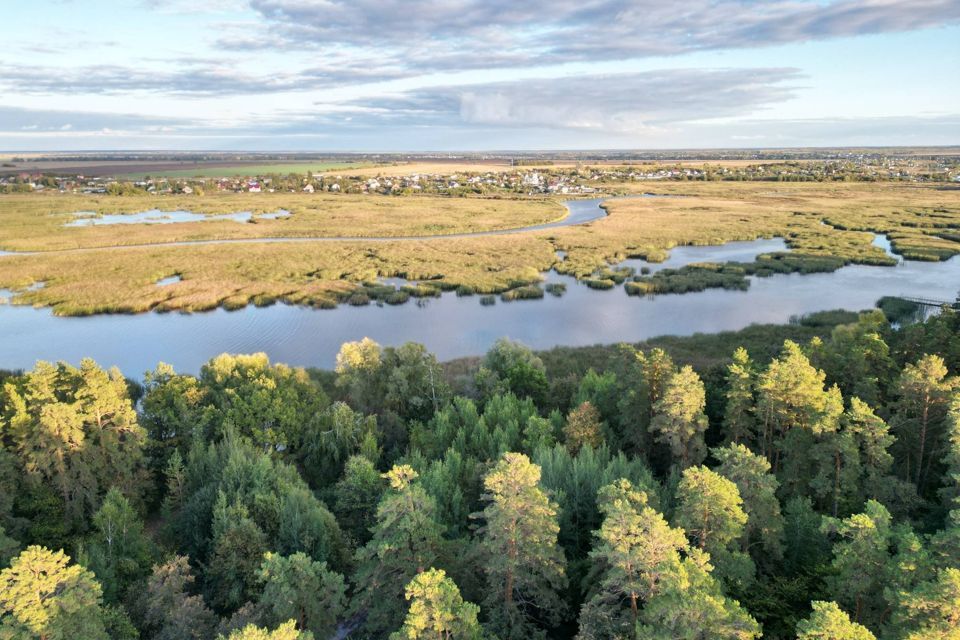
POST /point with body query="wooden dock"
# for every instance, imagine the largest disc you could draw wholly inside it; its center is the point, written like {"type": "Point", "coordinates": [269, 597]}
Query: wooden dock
{"type": "Point", "coordinates": [929, 302]}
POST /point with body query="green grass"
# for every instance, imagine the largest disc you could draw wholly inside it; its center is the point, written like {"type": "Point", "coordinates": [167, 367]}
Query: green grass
{"type": "Point", "coordinates": [248, 170]}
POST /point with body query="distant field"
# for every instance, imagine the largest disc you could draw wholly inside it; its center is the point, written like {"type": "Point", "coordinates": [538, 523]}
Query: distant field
{"type": "Point", "coordinates": [207, 171]}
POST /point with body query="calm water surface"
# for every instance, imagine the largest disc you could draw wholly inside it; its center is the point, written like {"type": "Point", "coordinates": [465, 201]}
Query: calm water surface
{"type": "Point", "coordinates": [452, 327]}
{"type": "Point", "coordinates": [156, 216]}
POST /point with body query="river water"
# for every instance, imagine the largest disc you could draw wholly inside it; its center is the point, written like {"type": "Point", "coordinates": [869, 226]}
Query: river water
{"type": "Point", "coordinates": [452, 327]}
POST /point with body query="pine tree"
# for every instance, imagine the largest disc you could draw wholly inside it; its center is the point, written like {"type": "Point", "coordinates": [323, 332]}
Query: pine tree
{"type": "Point", "coordinates": [924, 390]}
{"type": "Point", "coordinates": [523, 563]}
{"type": "Point", "coordinates": [636, 553]}
{"type": "Point", "coordinates": [692, 605]}
{"type": "Point", "coordinates": [77, 430]}
{"type": "Point", "coordinates": [763, 535]}
{"type": "Point", "coordinates": [792, 399]}
{"type": "Point", "coordinates": [861, 560]}
{"type": "Point", "coordinates": [738, 417]}
{"type": "Point", "coordinates": [950, 492]}
{"type": "Point", "coordinates": [710, 510]}
{"type": "Point", "coordinates": [9, 549]}
{"type": "Point", "coordinates": [829, 622]}
{"type": "Point", "coordinates": [874, 440]}
{"type": "Point", "coordinates": [238, 546]}
{"type": "Point", "coordinates": [679, 418]}
{"type": "Point", "coordinates": [932, 610]}
{"type": "Point", "coordinates": [406, 541]}
{"type": "Point", "coordinates": [43, 596]}
{"type": "Point", "coordinates": [857, 358]}
{"type": "Point", "coordinates": [836, 459]}
{"type": "Point", "coordinates": [303, 590]}
{"type": "Point", "coordinates": [286, 631]}
{"type": "Point", "coordinates": [437, 611]}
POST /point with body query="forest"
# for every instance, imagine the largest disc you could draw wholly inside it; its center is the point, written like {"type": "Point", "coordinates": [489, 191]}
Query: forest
{"type": "Point", "coordinates": [806, 485]}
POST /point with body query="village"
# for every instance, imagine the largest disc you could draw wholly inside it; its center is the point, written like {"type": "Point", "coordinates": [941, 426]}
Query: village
{"type": "Point", "coordinates": [517, 179]}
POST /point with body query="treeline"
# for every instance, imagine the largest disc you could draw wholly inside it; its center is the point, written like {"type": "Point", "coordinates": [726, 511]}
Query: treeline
{"type": "Point", "coordinates": [814, 494]}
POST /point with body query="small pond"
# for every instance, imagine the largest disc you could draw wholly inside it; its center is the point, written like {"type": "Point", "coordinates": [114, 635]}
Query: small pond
{"type": "Point", "coordinates": [156, 216]}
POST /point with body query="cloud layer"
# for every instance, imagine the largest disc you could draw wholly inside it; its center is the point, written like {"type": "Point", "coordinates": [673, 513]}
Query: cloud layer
{"type": "Point", "coordinates": [458, 34]}
{"type": "Point", "coordinates": [457, 74]}
{"type": "Point", "coordinates": [620, 103]}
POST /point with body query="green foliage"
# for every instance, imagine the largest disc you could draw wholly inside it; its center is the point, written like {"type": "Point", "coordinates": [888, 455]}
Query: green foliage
{"type": "Point", "coordinates": [679, 420]}
{"type": "Point", "coordinates": [710, 510]}
{"type": "Point", "coordinates": [43, 596]}
{"type": "Point", "coordinates": [76, 431]}
{"type": "Point", "coordinates": [602, 391]}
{"type": "Point", "coordinates": [174, 408]}
{"type": "Point", "coordinates": [857, 358]}
{"type": "Point", "coordinates": [924, 391]}
{"type": "Point", "coordinates": [262, 493]}
{"type": "Point", "coordinates": [584, 428]}
{"type": "Point", "coordinates": [521, 559]}
{"type": "Point", "coordinates": [692, 605]}
{"type": "Point", "coordinates": [270, 404]}
{"type": "Point", "coordinates": [286, 631]}
{"type": "Point", "coordinates": [636, 553]}
{"type": "Point", "coordinates": [238, 543]}
{"type": "Point", "coordinates": [510, 367]}
{"type": "Point", "coordinates": [574, 481]}
{"type": "Point", "coordinates": [507, 423]}
{"type": "Point", "coordinates": [9, 549]}
{"type": "Point", "coordinates": [118, 552]}
{"type": "Point", "coordinates": [454, 482]}
{"type": "Point", "coordinates": [950, 493]}
{"type": "Point", "coordinates": [406, 541]}
{"type": "Point", "coordinates": [220, 462]}
{"type": "Point", "coordinates": [437, 611]}
{"type": "Point", "coordinates": [932, 610]}
{"type": "Point", "coordinates": [331, 437]}
{"type": "Point", "coordinates": [303, 590]}
{"type": "Point", "coordinates": [793, 408]}
{"type": "Point", "coordinates": [829, 622]}
{"type": "Point", "coordinates": [763, 535]}
{"type": "Point", "coordinates": [739, 422]}
{"type": "Point", "coordinates": [860, 562]}
{"type": "Point", "coordinates": [169, 611]}
{"type": "Point", "coordinates": [355, 498]}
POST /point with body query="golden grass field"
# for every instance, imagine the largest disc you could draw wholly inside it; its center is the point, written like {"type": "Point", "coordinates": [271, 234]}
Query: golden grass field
{"type": "Point", "coordinates": [31, 222]}
{"type": "Point", "coordinates": [920, 219]}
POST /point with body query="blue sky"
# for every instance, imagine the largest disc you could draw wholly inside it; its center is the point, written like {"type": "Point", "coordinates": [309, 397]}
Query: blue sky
{"type": "Point", "coordinates": [418, 75]}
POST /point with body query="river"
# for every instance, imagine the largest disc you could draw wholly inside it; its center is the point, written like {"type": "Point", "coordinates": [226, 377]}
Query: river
{"type": "Point", "coordinates": [452, 327]}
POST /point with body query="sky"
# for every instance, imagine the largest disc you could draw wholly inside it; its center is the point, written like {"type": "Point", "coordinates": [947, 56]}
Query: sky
{"type": "Point", "coordinates": [475, 75]}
